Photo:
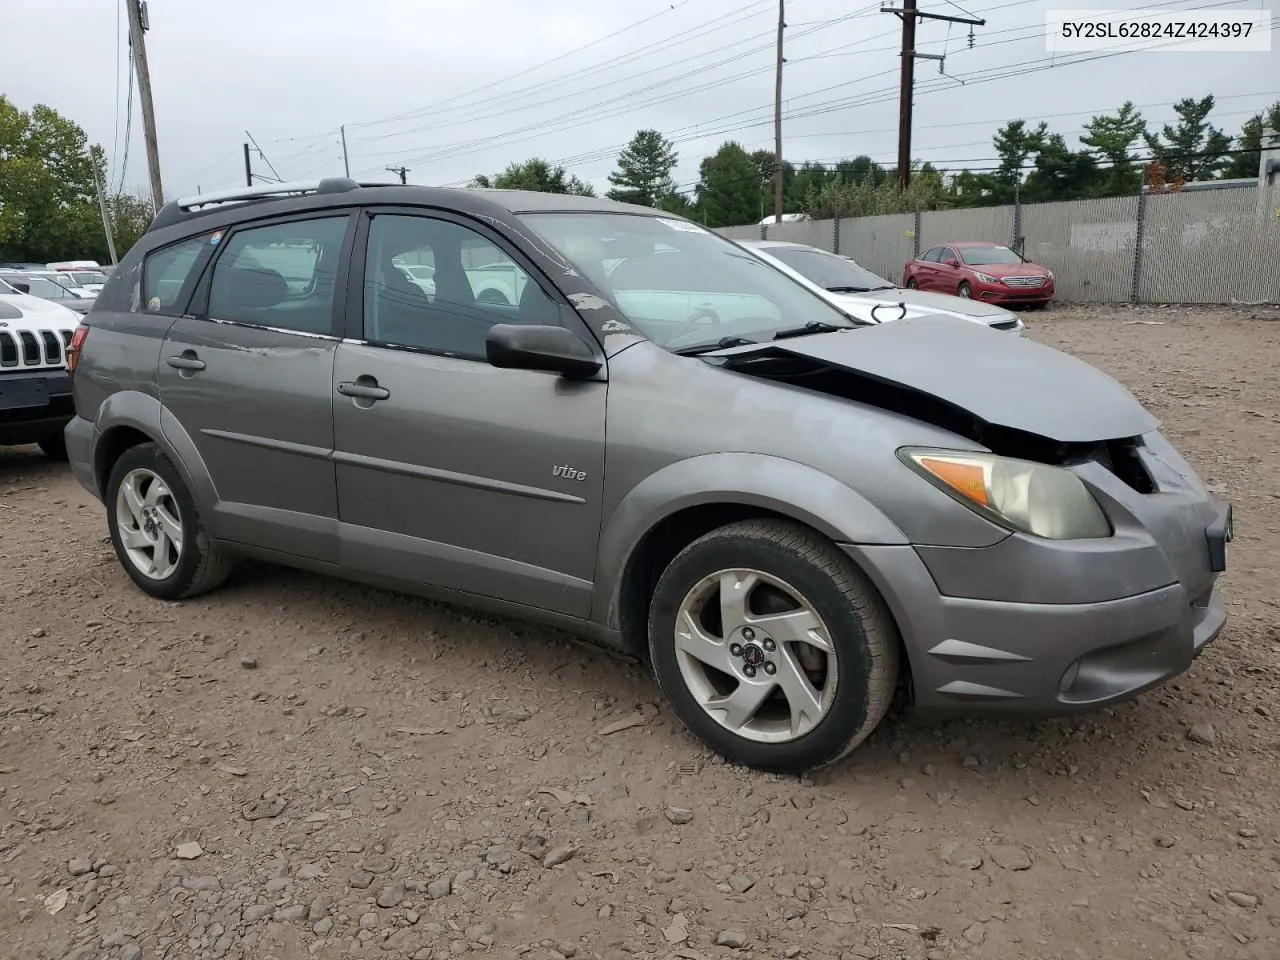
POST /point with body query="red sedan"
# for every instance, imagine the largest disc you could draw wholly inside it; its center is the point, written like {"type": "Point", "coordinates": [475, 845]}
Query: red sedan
{"type": "Point", "coordinates": [980, 271]}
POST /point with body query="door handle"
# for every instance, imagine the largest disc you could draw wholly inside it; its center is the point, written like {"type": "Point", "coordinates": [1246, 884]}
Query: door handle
{"type": "Point", "coordinates": [186, 361]}
{"type": "Point", "coordinates": [367, 390]}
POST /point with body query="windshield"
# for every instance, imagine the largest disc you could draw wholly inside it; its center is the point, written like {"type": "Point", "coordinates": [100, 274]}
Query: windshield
{"type": "Point", "coordinates": [41, 287]}
{"type": "Point", "coordinates": [84, 279]}
{"type": "Point", "coordinates": [681, 285]}
{"type": "Point", "coordinates": [5, 288]}
{"type": "Point", "coordinates": [828, 270]}
{"type": "Point", "coordinates": [981, 255]}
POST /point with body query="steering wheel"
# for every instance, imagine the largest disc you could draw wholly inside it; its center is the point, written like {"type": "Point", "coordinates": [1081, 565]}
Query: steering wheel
{"type": "Point", "coordinates": [702, 317]}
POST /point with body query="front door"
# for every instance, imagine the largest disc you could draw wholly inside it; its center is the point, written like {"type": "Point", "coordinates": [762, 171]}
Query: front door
{"type": "Point", "coordinates": [452, 472]}
{"type": "Point", "coordinates": [247, 376]}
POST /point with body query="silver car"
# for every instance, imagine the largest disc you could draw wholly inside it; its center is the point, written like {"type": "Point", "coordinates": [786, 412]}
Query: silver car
{"type": "Point", "coordinates": [665, 444]}
{"type": "Point", "coordinates": [857, 290]}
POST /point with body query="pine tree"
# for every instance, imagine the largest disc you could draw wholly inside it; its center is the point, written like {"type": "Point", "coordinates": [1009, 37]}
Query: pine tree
{"type": "Point", "coordinates": [1194, 149]}
{"type": "Point", "coordinates": [644, 170]}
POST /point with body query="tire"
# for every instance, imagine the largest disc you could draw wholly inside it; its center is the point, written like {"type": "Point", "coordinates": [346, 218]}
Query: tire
{"type": "Point", "coordinates": [965, 290]}
{"type": "Point", "coordinates": [911, 283]}
{"type": "Point", "coordinates": [54, 446]}
{"type": "Point", "coordinates": [201, 565]}
{"type": "Point", "coordinates": [849, 612]}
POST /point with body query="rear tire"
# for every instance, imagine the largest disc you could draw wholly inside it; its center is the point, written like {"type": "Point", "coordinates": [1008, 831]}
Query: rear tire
{"type": "Point", "coordinates": [775, 699]}
{"type": "Point", "coordinates": [54, 446]}
{"type": "Point", "coordinates": [159, 537]}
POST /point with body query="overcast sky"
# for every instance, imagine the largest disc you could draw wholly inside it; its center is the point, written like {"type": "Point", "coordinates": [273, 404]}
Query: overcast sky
{"type": "Point", "coordinates": [452, 88]}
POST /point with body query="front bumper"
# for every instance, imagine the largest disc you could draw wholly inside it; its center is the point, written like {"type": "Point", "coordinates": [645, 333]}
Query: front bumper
{"type": "Point", "coordinates": [984, 655]}
{"type": "Point", "coordinates": [1013, 296]}
{"type": "Point", "coordinates": [34, 404]}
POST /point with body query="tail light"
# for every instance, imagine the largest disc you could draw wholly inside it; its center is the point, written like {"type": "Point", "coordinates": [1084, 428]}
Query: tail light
{"type": "Point", "coordinates": [75, 346]}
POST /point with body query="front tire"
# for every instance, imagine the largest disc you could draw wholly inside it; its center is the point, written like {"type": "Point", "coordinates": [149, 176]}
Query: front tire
{"type": "Point", "coordinates": [911, 283]}
{"type": "Point", "coordinates": [772, 646]}
{"type": "Point", "coordinates": [965, 290]}
{"type": "Point", "coordinates": [156, 530]}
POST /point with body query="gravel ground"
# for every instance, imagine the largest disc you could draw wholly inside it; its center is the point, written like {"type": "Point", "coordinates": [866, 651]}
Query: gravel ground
{"type": "Point", "coordinates": [296, 767]}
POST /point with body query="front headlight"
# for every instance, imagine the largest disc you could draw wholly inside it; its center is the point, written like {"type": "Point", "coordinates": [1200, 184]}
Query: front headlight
{"type": "Point", "coordinates": [987, 278]}
{"type": "Point", "coordinates": [1049, 274]}
{"type": "Point", "coordinates": [1021, 495]}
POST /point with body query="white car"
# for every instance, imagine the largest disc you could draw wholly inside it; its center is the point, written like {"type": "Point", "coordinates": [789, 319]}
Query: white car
{"type": "Point", "coordinates": [868, 297]}
{"type": "Point", "coordinates": [35, 390]}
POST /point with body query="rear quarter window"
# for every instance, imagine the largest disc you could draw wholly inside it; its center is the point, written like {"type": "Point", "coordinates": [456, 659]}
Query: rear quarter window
{"type": "Point", "coordinates": [165, 272]}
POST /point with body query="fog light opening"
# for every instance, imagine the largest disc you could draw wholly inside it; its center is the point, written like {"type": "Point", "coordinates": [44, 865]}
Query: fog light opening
{"type": "Point", "coordinates": [1069, 678]}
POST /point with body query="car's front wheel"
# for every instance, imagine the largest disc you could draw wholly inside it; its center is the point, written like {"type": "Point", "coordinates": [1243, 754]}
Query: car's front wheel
{"type": "Point", "coordinates": [965, 290]}
{"type": "Point", "coordinates": [911, 283]}
{"type": "Point", "coordinates": [156, 530]}
{"type": "Point", "coordinates": [772, 646]}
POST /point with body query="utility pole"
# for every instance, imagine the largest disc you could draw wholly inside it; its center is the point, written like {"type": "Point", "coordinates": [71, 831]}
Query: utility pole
{"type": "Point", "coordinates": [248, 168]}
{"type": "Point", "coordinates": [400, 172]}
{"type": "Point", "coordinates": [346, 164]}
{"type": "Point", "coordinates": [94, 155]}
{"type": "Point", "coordinates": [909, 14]}
{"type": "Point", "coordinates": [138, 25]}
{"type": "Point", "coordinates": [777, 120]}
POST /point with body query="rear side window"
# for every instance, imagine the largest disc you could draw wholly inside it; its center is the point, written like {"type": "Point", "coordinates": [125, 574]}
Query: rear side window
{"type": "Point", "coordinates": [165, 272]}
{"type": "Point", "coordinates": [280, 276]}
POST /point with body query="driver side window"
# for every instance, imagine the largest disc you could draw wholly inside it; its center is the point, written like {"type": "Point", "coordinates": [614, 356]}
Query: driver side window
{"type": "Point", "coordinates": [436, 285]}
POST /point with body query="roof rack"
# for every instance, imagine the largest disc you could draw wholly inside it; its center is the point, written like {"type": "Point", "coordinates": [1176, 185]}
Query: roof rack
{"type": "Point", "coordinates": [175, 210]}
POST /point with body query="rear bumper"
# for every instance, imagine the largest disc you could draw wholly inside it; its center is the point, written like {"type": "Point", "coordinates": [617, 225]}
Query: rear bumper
{"type": "Point", "coordinates": [34, 404]}
{"type": "Point", "coordinates": [998, 656]}
{"type": "Point", "coordinates": [81, 436]}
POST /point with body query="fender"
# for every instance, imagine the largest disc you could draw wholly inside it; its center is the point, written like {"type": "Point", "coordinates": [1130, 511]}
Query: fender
{"type": "Point", "coordinates": [783, 486]}
{"type": "Point", "coordinates": [146, 414]}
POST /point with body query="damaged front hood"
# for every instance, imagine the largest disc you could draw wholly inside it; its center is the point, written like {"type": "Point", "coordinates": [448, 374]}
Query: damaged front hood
{"type": "Point", "coordinates": [1001, 380]}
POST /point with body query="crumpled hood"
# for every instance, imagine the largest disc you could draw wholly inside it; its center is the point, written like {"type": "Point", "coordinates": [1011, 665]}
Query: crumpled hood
{"type": "Point", "coordinates": [1002, 380]}
{"type": "Point", "coordinates": [35, 313]}
{"type": "Point", "coordinates": [925, 301]}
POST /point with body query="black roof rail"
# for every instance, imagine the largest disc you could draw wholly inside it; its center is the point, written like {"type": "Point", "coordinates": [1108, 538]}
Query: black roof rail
{"type": "Point", "coordinates": [177, 210]}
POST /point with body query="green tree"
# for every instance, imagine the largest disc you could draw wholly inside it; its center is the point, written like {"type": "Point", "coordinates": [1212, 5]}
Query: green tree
{"type": "Point", "coordinates": [1014, 145]}
{"type": "Point", "coordinates": [1193, 149]}
{"type": "Point", "coordinates": [130, 216]}
{"type": "Point", "coordinates": [1060, 173]}
{"type": "Point", "coordinates": [536, 174]}
{"type": "Point", "coordinates": [1248, 146]}
{"type": "Point", "coordinates": [1110, 138]}
{"type": "Point", "coordinates": [48, 208]}
{"type": "Point", "coordinates": [729, 188]}
{"type": "Point", "coordinates": [644, 170]}
{"type": "Point", "coordinates": [838, 198]}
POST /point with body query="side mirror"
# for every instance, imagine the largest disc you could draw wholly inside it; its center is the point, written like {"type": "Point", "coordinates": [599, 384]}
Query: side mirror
{"type": "Point", "coordinates": [20, 286]}
{"type": "Point", "coordinates": [953, 262]}
{"type": "Point", "coordinates": [519, 346]}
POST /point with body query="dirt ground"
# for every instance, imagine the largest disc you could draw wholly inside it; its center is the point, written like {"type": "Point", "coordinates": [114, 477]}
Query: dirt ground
{"type": "Point", "coordinates": [296, 767]}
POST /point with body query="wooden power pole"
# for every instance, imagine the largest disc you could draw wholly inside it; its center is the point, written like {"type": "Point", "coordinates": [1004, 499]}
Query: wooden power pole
{"type": "Point", "coordinates": [908, 13]}
{"type": "Point", "coordinates": [95, 154]}
{"type": "Point", "coordinates": [400, 172]}
{"type": "Point", "coordinates": [777, 120]}
{"type": "Point", "coordinates": [346, 164]}
{"type": "Point", "coordinates": [138, 25]}
{"type": "Point", "coordinates": [248, 168]}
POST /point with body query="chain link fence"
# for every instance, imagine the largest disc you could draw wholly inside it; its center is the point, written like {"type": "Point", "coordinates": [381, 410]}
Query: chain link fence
{"type": "Point", "coordinates": [1197, 246]}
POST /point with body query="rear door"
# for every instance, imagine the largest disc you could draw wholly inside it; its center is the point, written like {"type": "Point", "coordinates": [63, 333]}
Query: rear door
{"type": "Point", "coordinates": [452, 472]}
{"type": "Point", "coordinates": [247, 376]}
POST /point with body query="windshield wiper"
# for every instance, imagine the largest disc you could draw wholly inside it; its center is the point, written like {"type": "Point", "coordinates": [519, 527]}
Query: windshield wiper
{"type": "Point", "coordinates": [848, 289]}
{"type": "Point", "coordinates": [723, 343]}
{"type": "Point", "coordinates": [887, 286]}
{"type": "Point", "coordinates": [813, 326]}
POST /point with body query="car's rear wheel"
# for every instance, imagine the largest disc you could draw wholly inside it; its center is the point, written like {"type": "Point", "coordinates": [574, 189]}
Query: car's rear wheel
{"type": "Point", "coordinates": [772, 646]}
{"type": "Point", "coordinates": [911, 283]}
{"type": "Point", "coordinates": [156, 530]}
{"type": "Point", "coordinates": [965, 290]}
{"type": "Point", "coordinates": [54, 446]}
